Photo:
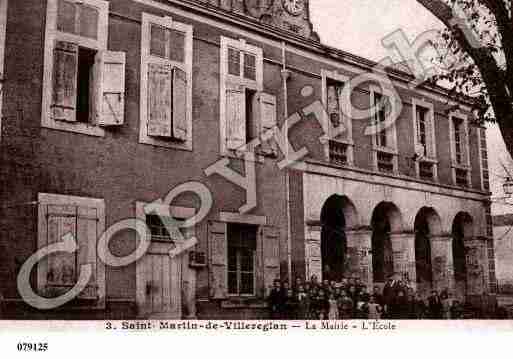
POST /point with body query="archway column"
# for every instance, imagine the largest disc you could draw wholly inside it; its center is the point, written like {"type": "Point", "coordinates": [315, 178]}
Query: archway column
{"type": "Point", "coordinates": [359, 255]}
{"type": "Point", "coordinates": [476, 259]}
{"type": "Point", "coordinates": [442, 263]}
{"type": "Point", "coordinates": [403, 251]}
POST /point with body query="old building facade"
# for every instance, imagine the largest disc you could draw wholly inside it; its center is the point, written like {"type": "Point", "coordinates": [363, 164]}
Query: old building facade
{"type": "Point", "coordinates": [110, 106]}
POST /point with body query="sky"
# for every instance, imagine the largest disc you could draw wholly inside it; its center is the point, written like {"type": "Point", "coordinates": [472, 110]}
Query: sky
{"type": "Point", "coordinates": [357, 26]}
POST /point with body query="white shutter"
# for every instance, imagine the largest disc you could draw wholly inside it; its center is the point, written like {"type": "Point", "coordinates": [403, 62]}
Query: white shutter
{"type": "Point", "coordinates": [235, 117]}
{"type": "Point", "coordinates": [267, 118]}
{"type": "Point", "coordinates": [65, 72]}
{"type": "Point", "coordinates": [62, 267]}
{"type": "Point", "coordinates": [87, 235]}
{"type": "Point", "coordinates": [159, 100]}
{"type": "Point", "coordinates": [218, 245]}
{"type": "Point", "coordinates": [179, 104]}
{"type": "Point", "coordinates": [110, 100]}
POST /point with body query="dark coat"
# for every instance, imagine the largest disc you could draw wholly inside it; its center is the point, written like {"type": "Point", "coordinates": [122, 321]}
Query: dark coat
{"type": "Point", "coordinates": [435, 307]}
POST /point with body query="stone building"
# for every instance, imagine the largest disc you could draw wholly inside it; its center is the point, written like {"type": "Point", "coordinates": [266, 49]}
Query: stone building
{"type": "Point", "coordinates": [110, 106]}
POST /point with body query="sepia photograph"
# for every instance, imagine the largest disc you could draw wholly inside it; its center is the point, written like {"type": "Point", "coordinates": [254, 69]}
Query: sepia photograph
{"type": "Point", "coordinates": [255, 165]}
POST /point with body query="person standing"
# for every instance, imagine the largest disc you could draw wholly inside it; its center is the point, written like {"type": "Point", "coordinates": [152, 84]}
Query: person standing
{"type": "Point", "coordinates": [275, 300]}
{"type": "Point", "coordinates": [435, 306]}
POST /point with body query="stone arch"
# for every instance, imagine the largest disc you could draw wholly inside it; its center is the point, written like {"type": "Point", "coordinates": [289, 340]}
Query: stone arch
{"type": "Point", "coordinates": [338, 214]}
{"type": "Point", "coordinates": [386, 219]}
{"type": "Point", "coordinates": [427, 224]}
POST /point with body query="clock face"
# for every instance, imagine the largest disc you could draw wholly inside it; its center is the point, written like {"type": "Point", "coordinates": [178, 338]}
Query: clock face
{"type": "Point", "coordinates": [294, 7]}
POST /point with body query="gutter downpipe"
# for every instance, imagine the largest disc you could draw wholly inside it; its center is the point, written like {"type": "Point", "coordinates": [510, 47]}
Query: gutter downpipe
{"type": "Point", "coordinates": [285, 75]}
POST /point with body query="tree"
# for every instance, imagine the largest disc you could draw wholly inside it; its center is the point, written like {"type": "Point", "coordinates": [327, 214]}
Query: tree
{"type": "Point", "coordinates": [480, 32]}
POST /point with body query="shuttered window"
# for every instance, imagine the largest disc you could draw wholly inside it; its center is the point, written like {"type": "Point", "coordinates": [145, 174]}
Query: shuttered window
{"type": "Point", "coordinates": [81, 220]}
{"type": "Point", "coordinates": [84, 82]}
{"type": "Point", "coordinates": [244, 260]}
{"type": "Point", "coordinates": [246, 111]}
{"type": "Point", "coordinates": [166, 87]}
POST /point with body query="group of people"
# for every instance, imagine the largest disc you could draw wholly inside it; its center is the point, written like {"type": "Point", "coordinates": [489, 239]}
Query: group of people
{"type": "Point", "coordinates": [350, 299]}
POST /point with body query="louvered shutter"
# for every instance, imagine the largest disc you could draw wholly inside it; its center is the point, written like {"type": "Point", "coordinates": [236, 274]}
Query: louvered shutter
{"type": "Point", "coordinates": [159, 100]}
{"type": "Point", "coordinates": [179, 104]}
{"type": "Point", "coordinates": [271, 254]}
{"type": "Point", "coordinates": [65, 72]}
{"type": "Point", "coordinates": [87, 235]}
{"type": "Point", "coordinates": [218, 246]}
{"type": "Point", "coordinates": [267, 118]}
{"type": "Point", "coordinates": [62, 267]}
{"type": "Point", "coordinates": [235, 117]}
{"type": "Point", "coordinates": [110, 101]}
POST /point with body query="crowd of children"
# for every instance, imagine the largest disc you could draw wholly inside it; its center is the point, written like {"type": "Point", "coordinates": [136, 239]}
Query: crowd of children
{"type": "Point", "coordinates": [350, 299]}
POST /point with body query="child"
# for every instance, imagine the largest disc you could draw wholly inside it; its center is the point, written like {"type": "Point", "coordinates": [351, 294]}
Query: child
{"type": "Point", "coordinates": [345, 305]}
{"type": "Point", "coordinates": [322, 305]}
{"type": "Point", "coordinates": [333, 308]}
{"type": "Point", "coordinates": [374, 309]}
{"type": "Point", "coordinates": [303, 301]}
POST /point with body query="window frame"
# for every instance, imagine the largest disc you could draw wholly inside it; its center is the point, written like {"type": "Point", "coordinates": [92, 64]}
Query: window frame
{"type": "Point", "coordinates": [431, 141]}
{"type": "Point", "coordinates": [391, 150]}
{"type": "Point", "coordinates": [146, 58]}
{"type": "Point", "coordinates": [466, 147]}
{"type": "Point", "coordinates": [59, 199]}
{"type": "Point", "coordinates": [226, 78]}
{"type": "Point", "coordinates": [51, 36]}
{"type": "Point", "coordinates": [238, 265]}
{"type": "Point", "coordinates": [349, 142]}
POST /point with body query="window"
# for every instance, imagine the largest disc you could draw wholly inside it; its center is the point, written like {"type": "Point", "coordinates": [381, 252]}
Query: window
{"type": "Point", "coordinates": [84, 83]}
{"type": "Point", "coordinates": [166, 83]}
{"type": "Point", "coordinates": [460, 150]}
{"type": "Point", "coordinates": [83, 218]}
{"type": "Point", "coordinates": [241, 259]}
{"type": "Point", "coordinates": [339, 148]}
{"type": "Point", "coordinates": [384, 140]}
{"type": "Point", "coordinates": [485, 176]}
{"type": "Point", "coordinates": [381, 102]}
{"type": "Point", "coordinates": [246, 111]}
{"type": "Point", "coordinates": [424, 139]}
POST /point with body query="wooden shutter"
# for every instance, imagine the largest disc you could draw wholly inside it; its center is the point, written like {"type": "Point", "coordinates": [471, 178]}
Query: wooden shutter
{"type": "Point", "coordinates": [267, 118]}
{"type": "Point", "coordinates": [87, 235]}
{"type": "Point", "coordinates": [65, 71]}
{"type": "Point", "coordinates": [271, 254]}
{"type": "Point", "coordinates": [62, 267]}
{"type": "Point", "coordinates": [218, 248]}
{"type": "Point", "coordinates": [235, 117]}
{"type": "Point", "coordinates": [179, 104]}
{"type": "Point", "coordinates": [159, 100]}
{"type": "Point", "coordinates": [110, 101]}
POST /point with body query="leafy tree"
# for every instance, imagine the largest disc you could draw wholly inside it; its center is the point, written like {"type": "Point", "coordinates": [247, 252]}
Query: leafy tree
{"type": "Point", "coordinates": [480, 34]}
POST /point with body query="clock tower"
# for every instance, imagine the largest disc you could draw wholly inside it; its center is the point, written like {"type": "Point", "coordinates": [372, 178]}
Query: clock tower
{"type": "Point", "coordinates": [289, 15]}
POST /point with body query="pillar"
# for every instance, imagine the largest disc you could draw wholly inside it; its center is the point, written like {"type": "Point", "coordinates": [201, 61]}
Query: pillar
{"type": "Point", "coordinates": [359, 256]}
{"type": "Point", "coordinates": [476, 260]}
{"type": "Point", "coordinates": [313, 252]}
{"type": "Point", "coordinates": [442, 263]}
{"type": "Point", "coordinates": [403, 248]}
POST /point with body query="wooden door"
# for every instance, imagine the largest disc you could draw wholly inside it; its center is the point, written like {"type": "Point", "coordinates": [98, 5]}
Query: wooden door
{"type": "Point", "coordinates": [158, 283]}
